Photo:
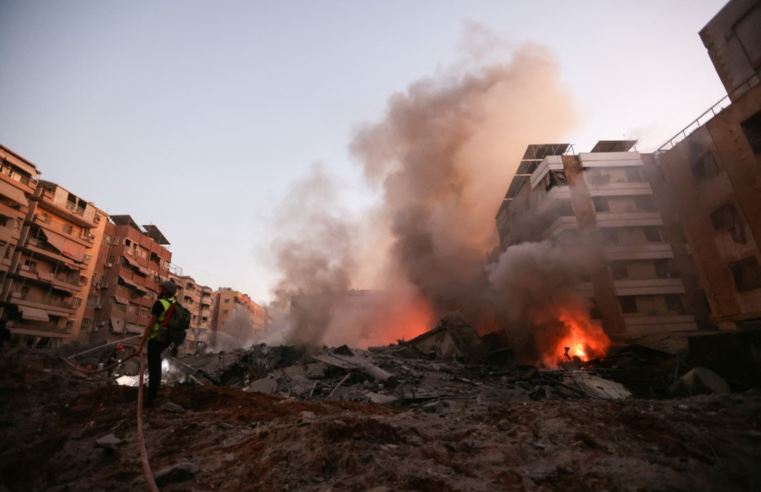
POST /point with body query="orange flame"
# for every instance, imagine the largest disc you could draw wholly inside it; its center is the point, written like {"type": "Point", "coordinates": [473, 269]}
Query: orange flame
{"type": "Point", "coordinates": [582, 339]}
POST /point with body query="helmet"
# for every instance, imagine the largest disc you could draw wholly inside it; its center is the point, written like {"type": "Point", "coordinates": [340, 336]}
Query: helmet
{"type": "Point", "coordinates": [119, 348]}
{"type": "Point", "coordinates": [169, 287]}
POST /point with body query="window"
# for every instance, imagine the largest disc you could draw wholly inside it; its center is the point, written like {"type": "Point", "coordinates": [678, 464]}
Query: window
{"type": "Point", "coordinates": [628, 304]}
{"type": "Point", "coordinates": [619, 271]}
{"type": "Point", "coordinates": [704, 166]}
{"type": "Point", "coordinates": [746, 274]}
{"type": "Point", "coordinates": [77, 301]}
{"type": "Point", "coordinates": [665, 269]}
{"type": "Point", "coordinates": [633, 175]}
{"type": "Point", "coordinates": [752, 129]}
{"type": "Point", "coordinates": [652, 234]}
{"type": "Point", "coordinates": [68, 229]}
{"type": "Point", "coordinates": [643, 203]}
{"type": "Point", "coordinates": [24, 293]}
{"type": "Point", "coordinates": [225, 311]}
{"type": "Point", "coordinates": [227, 301]}
{"type": "Point", "coordinates": [724, 217]}
{"type": "Point", "coordinates": [601, 204]}
{"type": "Point", "coordinates": [31, 265]}
{"type": "Point", "coordinates": [674, 304]}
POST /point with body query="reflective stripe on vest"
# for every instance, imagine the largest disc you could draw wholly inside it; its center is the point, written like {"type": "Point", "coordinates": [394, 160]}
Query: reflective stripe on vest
{"type": "Point", "coordinates": [166, 303]}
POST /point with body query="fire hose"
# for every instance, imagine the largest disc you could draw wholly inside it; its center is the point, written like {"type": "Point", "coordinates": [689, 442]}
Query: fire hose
{"type": "Point", "coordinates": [140, 435]}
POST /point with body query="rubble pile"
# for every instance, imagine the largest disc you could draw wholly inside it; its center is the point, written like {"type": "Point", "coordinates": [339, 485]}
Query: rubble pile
{"type": "Point", "coordinates": [446, 411]}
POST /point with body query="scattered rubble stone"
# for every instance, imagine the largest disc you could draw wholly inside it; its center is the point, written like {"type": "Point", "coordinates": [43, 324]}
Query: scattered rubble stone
{"type": "Point", "coordinates": [178, 473]}
{"type": "Point", "coordinates": [108, 440]}
{"type": "Point", "coordinates": [172, 407]}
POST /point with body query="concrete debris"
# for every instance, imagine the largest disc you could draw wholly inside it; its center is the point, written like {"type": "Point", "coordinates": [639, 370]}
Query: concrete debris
{"type": "Point", "coordinates": [109, 440]}
{"type": "Point", "coordinates": [172, 407]}
{"type": "Point", "coordinates": [597, 387]}
{"type": "Point", "coordinates": [266, 385]}
{"type": "Point", "coordinates": [700, 381]}
{"type": "Point", "coordinates": [305, 418]}
{"type": "Point", "coordinates": [178, 473]}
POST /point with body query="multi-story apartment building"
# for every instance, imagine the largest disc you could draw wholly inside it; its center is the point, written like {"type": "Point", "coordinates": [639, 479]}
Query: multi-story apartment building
{"type": "Point", "coordinates": [46, 285]}
{"type": "Point", "coordinates": [18, 180]}
{"type": "Point", "coordinates": [605, 194]}
{"type": "Point", "coordinates": [198, 299]}
{"type": "Point", "coordinates": [712, 172]}
{"type": "Point", "coordinates": [131, 262]}
{"type": "Point", "coordinates": [228, 301]}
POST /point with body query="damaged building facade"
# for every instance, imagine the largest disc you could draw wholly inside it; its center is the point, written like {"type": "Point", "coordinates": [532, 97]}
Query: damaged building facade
{"type": "Point", "coordinates": [131, 262]}
{"type": "Point", "coordinates": [605, 197]}
{"type": "Point", "coordinates": [199, 301]}
{"type": "Point", "coordinates": [47, 277]}
{"type": "Point", "coordinates": [712, 172]}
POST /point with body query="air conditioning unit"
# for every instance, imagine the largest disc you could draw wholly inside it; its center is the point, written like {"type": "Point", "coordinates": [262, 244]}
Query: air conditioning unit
{"type": "Point", "coordinates": [104, 285]}
{"type": "Point", "coordinates": [108, 265]}
{"type": "Point", "coordinates": [99, 306]}
{"type": "Point", "coordinates": [96, 286]}
{"type": "Point", "coordinates": [101, 323]}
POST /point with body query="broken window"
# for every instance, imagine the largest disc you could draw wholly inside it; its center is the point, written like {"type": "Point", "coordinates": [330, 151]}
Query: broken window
{"type": "Point", "coordinates": [601, 204]}
{"type": "Point", "coordinates": [704, 167]}
{"type": "Point", "coordinates": [746, 274]}
{"type": "Point", "coordinates": [628, 304]}
{"type": "Point", "coordinates": [633, 175]}
{"type": "Point", "coordinates": [752, 129]}
{"type": "Point", "coordinates": [652, 234]}
{"type": "Point", "coordinates": [674, 303]}
{"type": "Point", "coordinates": [727, 218]}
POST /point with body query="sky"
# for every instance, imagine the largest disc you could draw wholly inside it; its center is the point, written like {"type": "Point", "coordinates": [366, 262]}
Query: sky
{"type": "Point", "coordinates": [195, 115]}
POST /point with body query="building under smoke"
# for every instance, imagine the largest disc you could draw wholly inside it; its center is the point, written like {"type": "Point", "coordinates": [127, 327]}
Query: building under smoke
{"type": "Point", "coordinates": [598, 235]}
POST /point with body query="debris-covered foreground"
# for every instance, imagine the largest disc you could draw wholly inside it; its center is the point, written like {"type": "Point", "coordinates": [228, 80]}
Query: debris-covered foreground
{"type": "Point", "coordinates": [63, 431]}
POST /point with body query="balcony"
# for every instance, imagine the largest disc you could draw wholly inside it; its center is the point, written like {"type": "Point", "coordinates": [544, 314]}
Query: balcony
{"type": "Point", "coordinates": [645, 325]}
{"type": "Point", "coordinates": [628, 219]}
{"type": "Point", "coordinates": [647, 251]}
{"type": "Point", "coordinates": [46, 223]}
{"type": "Point", "coordinates": [50, 279]}
{"type": "Point", "coordinates": [37, 246]}
{"type": "Point", "coordinates": [60, 308]}
{"type": "Point", "coordinates": [70, 211]}
{"type": "Point", "coordinates": [624, 188]}
{"type": "Point", "coordinates": [561, 225]}
{"type": "Point", "coordinates": [656, 286]}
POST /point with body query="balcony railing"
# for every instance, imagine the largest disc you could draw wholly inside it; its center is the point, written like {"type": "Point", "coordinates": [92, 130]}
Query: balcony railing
{"type": "Point", "coordinates": [74, 208]}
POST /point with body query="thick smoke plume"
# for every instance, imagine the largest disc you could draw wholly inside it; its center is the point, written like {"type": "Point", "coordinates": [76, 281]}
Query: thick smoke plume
{"type": "Point", "coordinates": [442, 158]}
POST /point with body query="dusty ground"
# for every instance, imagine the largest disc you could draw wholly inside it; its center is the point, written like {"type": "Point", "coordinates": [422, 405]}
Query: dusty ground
{"type": "Point", "coordinates": [50, 419]}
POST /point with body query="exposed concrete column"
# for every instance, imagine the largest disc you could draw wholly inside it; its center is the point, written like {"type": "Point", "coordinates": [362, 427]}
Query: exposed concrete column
{"type": "Point", "coordinates": [602, 282]}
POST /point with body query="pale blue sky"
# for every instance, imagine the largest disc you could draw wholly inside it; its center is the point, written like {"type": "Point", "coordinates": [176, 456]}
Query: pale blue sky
{"type": "Point", "coordinates": [195, 115]}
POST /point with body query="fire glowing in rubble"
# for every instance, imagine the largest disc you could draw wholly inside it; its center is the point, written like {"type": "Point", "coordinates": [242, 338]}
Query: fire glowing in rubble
{"type": "Point", "coordinates": [581, 339]}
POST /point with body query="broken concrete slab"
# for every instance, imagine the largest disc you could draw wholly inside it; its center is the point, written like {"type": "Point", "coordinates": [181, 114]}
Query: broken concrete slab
{"type": "Point", "coordinates": [305, 418]}
{"type": "Point", "coordinates": [316, 370]}
{"type": "Point", "coordinates": [266, 385]}
{"type": "Point", "coordinates": [597, 387]}
{"type": "Point", "coordinates": [380, 399]}
{"type": "Point", "coordinates": [108, 440]}
{"type": "Point", "coordinates": [356, 362]}
{"type": "Point", "coordinates": [172, 407]}
{"type": "Point", "coordinates": [700, 380]}
{"type": "Point", "coordinates": [178, 473]}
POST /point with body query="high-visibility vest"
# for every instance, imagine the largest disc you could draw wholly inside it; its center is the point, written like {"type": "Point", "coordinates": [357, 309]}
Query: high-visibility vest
{"type": "Point", "coordinates": [166, 303]}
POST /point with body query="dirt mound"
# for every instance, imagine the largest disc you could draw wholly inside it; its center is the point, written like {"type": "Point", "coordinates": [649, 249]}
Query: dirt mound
{"type": "Point", "coordinates": [51, 420]}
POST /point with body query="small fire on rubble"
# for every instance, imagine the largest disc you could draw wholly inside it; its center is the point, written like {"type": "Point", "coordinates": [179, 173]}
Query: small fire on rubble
{"type": "Point", "coordinates": [581, 339]}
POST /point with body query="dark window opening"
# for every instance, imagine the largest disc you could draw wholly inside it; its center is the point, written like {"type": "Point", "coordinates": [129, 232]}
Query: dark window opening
{"type": "Point", "coordinates": [628, 304]}
{"type": "Point", "coordinates": [643, 203]}
{"type": "Point", "coordinates": [665, 269]}
{"type": "Point", "coordinates": [601, 204]}
{"type": "Point", "coordinates": [704, 167]}
{"type": "Point", "coordinates": [619, 271]}
{"type": "Point", "coordinates": [752, 129]}
{"type": "Point", "coordinates": [727, 218]}
{"type": "Point", "coordinates": [746, 274]}
{"type": "Point", "coordinates": [633, 175]}
{"type": "Point", "coordinates": [652, 234]}
{"type": "Point", "coordinates": [674, 304]}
